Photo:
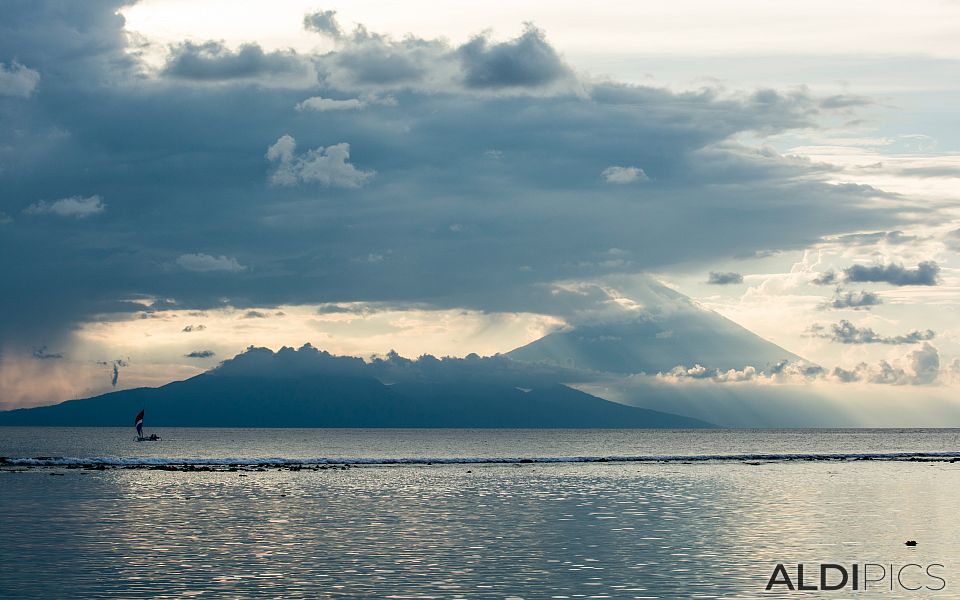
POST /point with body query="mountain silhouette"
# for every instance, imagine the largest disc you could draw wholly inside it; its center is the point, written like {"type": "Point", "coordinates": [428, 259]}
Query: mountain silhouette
{"type": "Point", "coordinates": [309, 388]}
{"type": "Point", "coordinates": [667, 330]}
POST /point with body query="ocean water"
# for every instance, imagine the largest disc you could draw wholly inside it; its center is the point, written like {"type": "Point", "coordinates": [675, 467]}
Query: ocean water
{"type": "Point", "coordinates": [432, 514]}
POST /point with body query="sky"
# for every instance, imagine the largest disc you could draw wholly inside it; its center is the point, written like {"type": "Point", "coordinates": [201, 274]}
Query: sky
{"type": "Point", "coordinates": [181, 180]}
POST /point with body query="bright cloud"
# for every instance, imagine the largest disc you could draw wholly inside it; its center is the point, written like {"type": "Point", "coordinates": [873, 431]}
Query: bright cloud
{"type": "Point", "coordinates": [76, 207]}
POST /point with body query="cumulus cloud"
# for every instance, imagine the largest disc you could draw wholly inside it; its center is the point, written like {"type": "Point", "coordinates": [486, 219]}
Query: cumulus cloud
{"type": "Point", "coordinates": [825, 278]}
{"type": "Point", "coordinates": [192, 328]}
{"type": "Point", "coordinates": [328, 166]}
{"type": "Point", "coordinates": [369, 60]}
{"type": "Point", "coordinates": [527, 61]}
{"type": "Point", "coordinates": [784, 371]}
{"type": "Point", "coordinates": [680, 373]}
{"type": "Point", "coordinates": [323, 22]}
{"type": "Point", "coordinates": [623, 175]}
{"type": "Point", "coordinates": [214, 62]}
{"type": "Point", "coordinates": [920, 367]}
{"type": "Point", "coordinates": [202, 263]}
{"type": "Point", "coordinates": [320, 104]}
{"type": "Point", "coordinates": [926, 273]}
{"type": "Point", "coordinates": [17, 80]}
{"type": "Point", "coordinates": [862, 300]}
{"type": "Point", "coordinates": [846, 332]}
{"type": "Point", "coordinates": [200, 354]}
{"type": "Point", "coordinates": [74, 206]}
{"type": "Point", "coordinates": [716, 278]}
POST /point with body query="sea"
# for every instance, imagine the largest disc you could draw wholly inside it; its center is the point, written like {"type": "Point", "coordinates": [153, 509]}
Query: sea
{"type": "Point", "coordinates": [507, 513]}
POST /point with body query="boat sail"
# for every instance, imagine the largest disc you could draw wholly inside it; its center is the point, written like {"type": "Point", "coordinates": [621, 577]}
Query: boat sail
{"type": "Point", "coordinates": [138, 422]}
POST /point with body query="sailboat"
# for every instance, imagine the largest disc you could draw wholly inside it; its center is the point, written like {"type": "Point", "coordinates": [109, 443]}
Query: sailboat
{"type": "Point", "coordinates": [138, 421]}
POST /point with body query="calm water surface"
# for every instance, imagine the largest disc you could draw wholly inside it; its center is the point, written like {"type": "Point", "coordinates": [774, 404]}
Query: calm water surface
{"type": "Point", "coordinates": [711, 529]}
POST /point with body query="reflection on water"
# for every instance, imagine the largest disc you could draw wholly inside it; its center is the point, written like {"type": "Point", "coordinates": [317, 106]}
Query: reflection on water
{"type": "Point", "coordinates": [561, 530]}
{"type": "Point", "coordinates": [451, 443]}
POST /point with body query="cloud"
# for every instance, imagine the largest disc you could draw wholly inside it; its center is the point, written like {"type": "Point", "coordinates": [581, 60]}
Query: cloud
{"type": "Point", "coordinates": [213, 62]}
{"type": "Point", "coordinates": [323, 22]}
{"type": "Point", "coordinates": [200, 354]}
{"type": "Point", "coordinates": [825, 278]}
{"type": "Point", "coordinates": [115, 366]}
{"type": "Point", "coordinates": [368, 60]}
{"type": "Point", "coordinates": [845, 101]}
{"type": "Point", "coordinates": [893, 238]}
{"type": "Point", "coordinates": [716, 278]}
{"type": "Point", "coordinates": [202, 263]}
{"type": "Point", "coordinates": [42, 354]}
{"type": "Point", "coordinates": [926, 273]}
{"type": "Point", "coordinates": [784, 371]}
{"type": "Point", "coordinates": [846, 332]}
{"type": "Point", "coordinates": [182, 161]}
{"type": "Point", "coordinates": [327, 166]}
{"type": "Point", "coordinates": [623, 175]}
{"type": "Point", "coordinates": [320, 104]}
{"type": "Point", "coordinates": [855, 300]}
{"type": "Point", "coordinates": [952, 240]}
{"type": "Point", "coordinates": [74, 206]}
{"type": "Point", "coordinates": [952, 372]}
{"type": "Point", "coordinates": [527, 61]}
{"type": "Point", "coordinates": [17, 80]}
{"type": "Point", "coordinates": [919, 367]}
{"type": "Point", "coordinates": [254, 314]}
{"type": "Point", "coordinates": [192, 328]}
{"type": "Point", "coordinates": [680, 373]}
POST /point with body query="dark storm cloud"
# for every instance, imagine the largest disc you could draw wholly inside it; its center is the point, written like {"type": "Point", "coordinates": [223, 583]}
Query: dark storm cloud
{"type": "Point", "coordinates": [323, 21]}
{"type": "Point", "coordinates": [926, 273]}
{"type": "Point", "coordinates": [200, 354]}
{"type": "Point", "coordinates": [193, 215]}
{"type": "Point", "coordinates": [528, 61]}
{"type": "Point", "coordinates": [716, 278]}
{"type": "Point", "coordinates": [212, 61]}
{"type": "Point", "coordinates": [846, 332]}
{"type": "Point", "coordinates": [855, 300]}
